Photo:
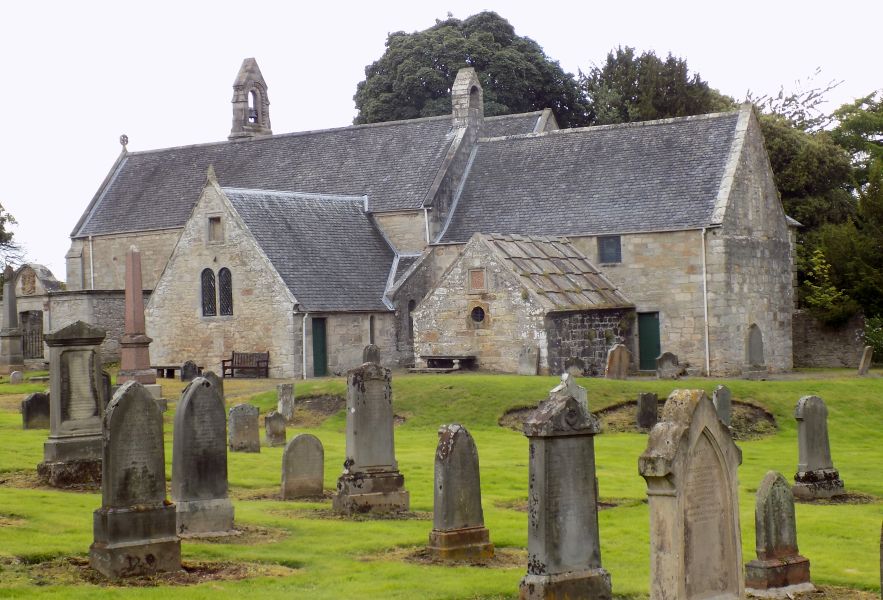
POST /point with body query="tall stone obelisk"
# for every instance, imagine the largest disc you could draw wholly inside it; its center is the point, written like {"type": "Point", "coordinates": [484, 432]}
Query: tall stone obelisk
{"type": "Point", "coordinates": [11, 354]}
{"type": "Point", "coordinates": [135, 351]}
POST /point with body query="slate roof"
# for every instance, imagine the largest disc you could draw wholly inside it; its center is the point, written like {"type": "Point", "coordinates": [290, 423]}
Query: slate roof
{"type": "Point", "coordinates": [557, 272]}
{"type": "Point", "coordinates": [393, 163]}
{"type": "Point", "coordinates": [326, 249]}
{"type": "Point", "coordinates": [651, 176]}
{"type": "Point", "coordinates": [510, 124]}
{"type": "Point", "coordinates": [405, 263]}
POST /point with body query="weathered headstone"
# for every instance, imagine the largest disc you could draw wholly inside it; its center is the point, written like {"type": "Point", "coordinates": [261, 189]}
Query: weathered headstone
{"type": "Point", "coordinates": [528, 360]}
{"type": "Point", "coordinates": [199, 462]}
{"type": "Point", "coordinates": [303, 467]}
{"type": "Point", "coordinates": [779, 570]}
{"type": "Point", "coordinates": [721, 397]}
{"type": "Point", "coordinates": [72, 454]}
{"type": "Point", "coordinates": [667, 366]}
{"type": "Point", "coordinates": [189, 371]}
{"type": "Point", "coordinates": [617, 362]}
{"type": "Point", "coordinates": [244, 429]}
{"type": "Point", "coordinates": [371, 354]}
{"type": "Point", "coordinates": [11, 343]}
{"type": "Point", "coordinates": [106, 387]}
{"type": "Point", "coordinates": [458, 531]}
{"type": "Point", "coordinates": [755, 367]}
{"type": "Point", "coordinates": [16, 377]}
{"type": "Point", "coordinates": [816, 476]}
{"type": "Point", "coordinates": [135, 526]}
{"type": "Point", "coordinates": [568, 385]}
{"type": "Point", "coordinates": [35, 411]}
{"type": "Point", "coordinates": [563, 542]}
{"type": "Point", "coordinates": [215, 381]}
{"type": "Point", "coordinates": [134, 344]}
{"type": "Point", "coordinates": [648, 409]}
{"type": "Point", "coordinates": [274, 425]}
{"type": "Point", "coordinates": [865, 364]}
{"type": "Point", "coordinates": [285, 400]}
{"type": "Point", "coordinates": [371, 481]}
{"type": "Point", "coordinates": [575, 366]}
{"type": "Point", "coordinates": [690, 467]}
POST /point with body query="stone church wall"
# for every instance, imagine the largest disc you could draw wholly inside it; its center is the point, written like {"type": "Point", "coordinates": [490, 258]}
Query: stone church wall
{"type": "Point", "coordinates": [817, 345]}
{"type": "Point", "coordinates": [107, 255]}
{"type": "Point", "coordinates": [346, 335]}
{"type": "Point", "coordinates": [405, 230]}
{"type": "Point", "coordinates": [587, 336]}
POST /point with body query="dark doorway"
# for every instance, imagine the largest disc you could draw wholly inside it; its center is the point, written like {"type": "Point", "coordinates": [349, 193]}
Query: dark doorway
{"type": "Point", "coordinates": [648, 341]}
{"type": "Point", "coordinates": [320, 348]}
{"type": "Point", "coordinates": [32, 333]}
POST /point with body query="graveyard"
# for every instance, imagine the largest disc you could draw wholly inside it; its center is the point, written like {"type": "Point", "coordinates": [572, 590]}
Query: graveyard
{"type": "Point", "coordinates": [304, 548]}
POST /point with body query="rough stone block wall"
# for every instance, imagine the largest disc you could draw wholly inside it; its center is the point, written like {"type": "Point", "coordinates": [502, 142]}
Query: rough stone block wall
{"type": "Point", "coordinates": [817, 345]}
{"type": "Point", "coordinates": [406, 231]}
{"type": "Point", "coordinates": [107, 255]}
{"type": "Point", "coordinates": [347, 334]}
{"type": "Point", "coordinates": [587, 335]}
{"type": "Point", "coordinates": [442, 323]}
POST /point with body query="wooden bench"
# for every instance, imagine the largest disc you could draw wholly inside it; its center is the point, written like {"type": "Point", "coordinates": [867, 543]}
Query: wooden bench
{"type": "Point", "coordinates": [256, 364]}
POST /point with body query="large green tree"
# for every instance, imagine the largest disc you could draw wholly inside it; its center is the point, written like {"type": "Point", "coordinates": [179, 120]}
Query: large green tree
{"type": "Point", "coordinates": [631, 87]}
{"type": "Point", "coordinates": [859, 130]}
{"type": "Point", "coordinates": [413, 77]}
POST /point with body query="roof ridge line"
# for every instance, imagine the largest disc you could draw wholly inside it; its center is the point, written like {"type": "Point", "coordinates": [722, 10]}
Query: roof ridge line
{"type": "Point", "coordinates": [299, 195]}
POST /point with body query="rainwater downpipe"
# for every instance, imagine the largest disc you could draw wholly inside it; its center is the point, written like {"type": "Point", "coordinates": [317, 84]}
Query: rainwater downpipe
{"type": "Point", "coordinates": [91, 265]}
{"type": "Point", "coordinates": [705, 305]}
{"type": "Point", "coordinates": [303, 344]}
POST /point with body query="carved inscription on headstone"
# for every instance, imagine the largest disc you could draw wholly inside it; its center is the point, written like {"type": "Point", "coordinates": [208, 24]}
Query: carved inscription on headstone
{"type": "Point", "coordinates": [79, 393]}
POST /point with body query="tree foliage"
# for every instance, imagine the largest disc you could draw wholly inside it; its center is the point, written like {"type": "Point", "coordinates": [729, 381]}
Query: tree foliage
{"type": "Point", "coordinates": [413, 78]}
{"type": "Point", "coordinates": [801, 107]}
{"type": "Point", "coordinates": [859, 130]}
{"type": "Point", "coordinates": [628, 87]}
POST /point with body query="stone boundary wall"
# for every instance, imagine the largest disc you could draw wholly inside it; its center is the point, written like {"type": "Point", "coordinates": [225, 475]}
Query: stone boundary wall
{"type": "Point", "coordinates": [588, 335]}
{"type": "Point", "coordinates": [817, 345]}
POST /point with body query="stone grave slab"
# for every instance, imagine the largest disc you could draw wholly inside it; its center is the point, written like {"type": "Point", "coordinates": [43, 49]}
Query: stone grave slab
{"type": "Point", "coordinates": [528, 360]}
{"type": "Point", "coordinates": [690, 467]}
{"type": "Point", "coordinates": [864, 364]}
{"type": "Point", "coordinates": [16, 377]}
{"type": "Point", "coordinates": [244, 429]}
{"type": "Point", "coordinates": [618, 359]}
{"type": "Point", "coordinates": [667, 366]}
{"type": "Point", "coordinates": [216, 381]}
{"type": "Point", "coordinates": [647, 410]}
{"type": "Point", "coordinates": [568, 385]}
{"type": "Point", "coordinates": [189, 371]}
{"type": "Point", "coordinates": [35, 411]}
{"type": "Point", "coordinates": [285, 400]}
{"type": "Point", "coordinates": [721, 397]}
{"type": "Point", "coordinates": [274, 426]}
{"type": "Point", "coordinates": [816, 476]}
{"type": "Point", "coordinates": [371, 354]}
{"type": "Point", "coordinates": [303, 467]}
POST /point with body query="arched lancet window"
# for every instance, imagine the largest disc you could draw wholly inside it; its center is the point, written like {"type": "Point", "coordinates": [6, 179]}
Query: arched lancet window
{"type": "Point", "coordinates": [225, 291]}
{"type": "Point", "coordinates": [253, 106]}
{"type": "Point", "coordinates": [209, 306]}
{"type": "Point", "coordinates": [371, 329]}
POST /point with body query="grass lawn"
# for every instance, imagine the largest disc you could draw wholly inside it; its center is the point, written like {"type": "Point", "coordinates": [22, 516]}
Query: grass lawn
{"type": "Point", "coordinates": [301, 550]}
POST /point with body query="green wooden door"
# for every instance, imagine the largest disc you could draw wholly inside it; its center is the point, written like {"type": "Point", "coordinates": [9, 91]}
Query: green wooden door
{"type": "Point", "coordinates": [648, 340]}
{"type": "Point", "coordinates": [320, 348]}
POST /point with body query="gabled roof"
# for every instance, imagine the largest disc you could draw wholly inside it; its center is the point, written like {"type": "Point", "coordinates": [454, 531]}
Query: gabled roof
{"type": "Point", "coordinates": [393, 163]}
{"type": "Point", "coordinates": [325, 248]}
{"type": "Point", "coordinates": [649, 176]}
{"type": "Point", "coordinates": [556, 272]}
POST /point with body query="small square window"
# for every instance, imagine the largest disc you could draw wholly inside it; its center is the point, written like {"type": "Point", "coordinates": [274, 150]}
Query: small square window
{"type": "Point", "coordinates": [609, 249]}
{"type": "Point", "coordinates": [477, 281]}
{"type": "Point", "coordinates": [215, 231]}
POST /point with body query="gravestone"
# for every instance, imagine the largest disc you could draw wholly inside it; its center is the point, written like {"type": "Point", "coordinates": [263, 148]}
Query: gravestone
{"type": "Point", "coordinates": [134, 344]}
{"type": "Point", "coordinates": [667, 366]}
{"type": "Point", "coordinates": [865, 364]}
{"type": "Point", "coordinates": [816, 476]}
{"type": "Point", "coordinates": [303, 467]}
{"type": "Point", "coordinates": [244, 429]}
{"type": "Point", "coordinates": [16, 377]}
{"type": "Point", "coordinates": [648, 409]}
{"type": "Point", "coordinates": [617, 362]}
{"type": "Point", "coordinates": [199, 462]}
{"type": "Point", "coordinates": [285, 400]}
{"type": "Point", "coordinates": [529, 360]}
{"type": "Point", "coordinates": [722, 400]}
{"type": "Point", "coordinates": [563, 542]}
{"type": "Point", "coordinates": [690, 467]}
{"type": "Point", "coordinates": [274, 425]}
{"type": "Point", "coordinates": [35, 411]}
{"type": "Point", "coordinates": [371, 354]}
{"type": "Point", "coordinates": [575, 366]}
{"type": "Point", "coordinates": [11, 343]}
{"type": "Point", "coordinates": [756, 368]}
{"type": "Point", "coordinates": [189, 371]}
{"type": "Point", "coordinates": [72, 454]}
{"type": "Point", "coordinates": [215, 381]}
{"type": "Point", "coordinates": [371, 481]}
{"type": "Point", "coordinates": [569, 386]}
{"type": "Point", "coordinates": [135, 526]}
{"type": "Point", "coordinates": [106, 387]}
{"type": "Point", "coordinates": [779, 571]}
{"type": "Point", "coordinates": [458, 531]}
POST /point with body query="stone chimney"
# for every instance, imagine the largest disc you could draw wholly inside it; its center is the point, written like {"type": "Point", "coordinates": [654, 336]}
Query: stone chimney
{"type": "Point", "coordinates": [251, 105]}
{"type": "Point", "coordinates": [467, 99]}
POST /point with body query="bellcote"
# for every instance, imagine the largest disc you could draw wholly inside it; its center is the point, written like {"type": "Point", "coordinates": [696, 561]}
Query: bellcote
{"type": "Point", "coordinates": [467, 99]}
{"type": "Point", "coordinates": [251, 105]}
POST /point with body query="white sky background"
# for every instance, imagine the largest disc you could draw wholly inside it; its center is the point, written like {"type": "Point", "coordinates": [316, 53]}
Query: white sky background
{"type": "Point", "coordinates": [79, 74]}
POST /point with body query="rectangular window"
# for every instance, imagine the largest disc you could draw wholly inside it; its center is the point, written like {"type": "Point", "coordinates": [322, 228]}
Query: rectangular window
{"type": "Point", "coordinates": [609, 249]}
{"type": "Point", "coordinates": [215, 231]}
{"type": "Point", "coordinates": [477, 281]}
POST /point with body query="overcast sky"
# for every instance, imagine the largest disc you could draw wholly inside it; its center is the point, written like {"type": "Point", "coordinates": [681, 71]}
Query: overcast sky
{"type": "Point", "coordinates": [79, 74]}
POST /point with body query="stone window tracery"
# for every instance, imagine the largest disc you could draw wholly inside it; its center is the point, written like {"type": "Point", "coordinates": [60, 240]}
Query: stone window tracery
{"type": "Point", "coordinates": [209, 304]}
{"type": "Point", "coordinates": [225, 291]}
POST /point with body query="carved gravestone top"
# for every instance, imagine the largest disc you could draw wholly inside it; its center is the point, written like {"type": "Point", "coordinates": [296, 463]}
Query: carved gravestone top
{"type": "Point", "coordinates": [775, 523]}
{"type": "Point", "coordinates": [648, 409]}
{"type": "Point", "coordinates": [560, 415]}
{"type": "Point", "coordinates": [78, 333]}
{"type": "Point", "coordinates": [244, 430]}
{"type": "Point", "coordinates": [690, 467]}
{"type": "Point", "coordinates": [274, 425]}
{"type": "Point", "coordinates": [722, 400]}
{"type": "Point", "coordinates": [189, 371]}
{"type": "Point", "coordinates": [569, 386]}
{"type": "Point", "coordinates": [16, 377]}
{"type": "Point", "coordinates": [667, 366]}
{"type": "Point", "coordinates": [285, 400]}
{"type": "Point", "coordinates": [865, 364]}
{"type": "Point", "coordinates": [371, 354]}
{"type": "Point", "coordinates": [370, 444]}
{"type": "Point", "coordinates": [199, 449]}
{"type": "Point", "coordinates": [133, 464]}
{"type": "Point", "coordinates": [528, 360]}
{"type": "Point", "coordinates": [35, 411]}
{"type": "Point", "coordinates": [215, 381]}
{"type": "Point", "coordinates": [303, 467]}
{"type": "Point", "coordinates": [617, 362]}
{"type": "Point", "coordinates": [814, 449]}
{"type": "Point", "coordinates": [457, 501]}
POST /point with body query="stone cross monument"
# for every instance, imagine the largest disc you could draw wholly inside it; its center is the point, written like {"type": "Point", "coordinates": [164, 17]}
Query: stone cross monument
{"type": "Point", "coordinates": [11, 353]}
{"type": "Point", "coordinates": [134, 345]}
